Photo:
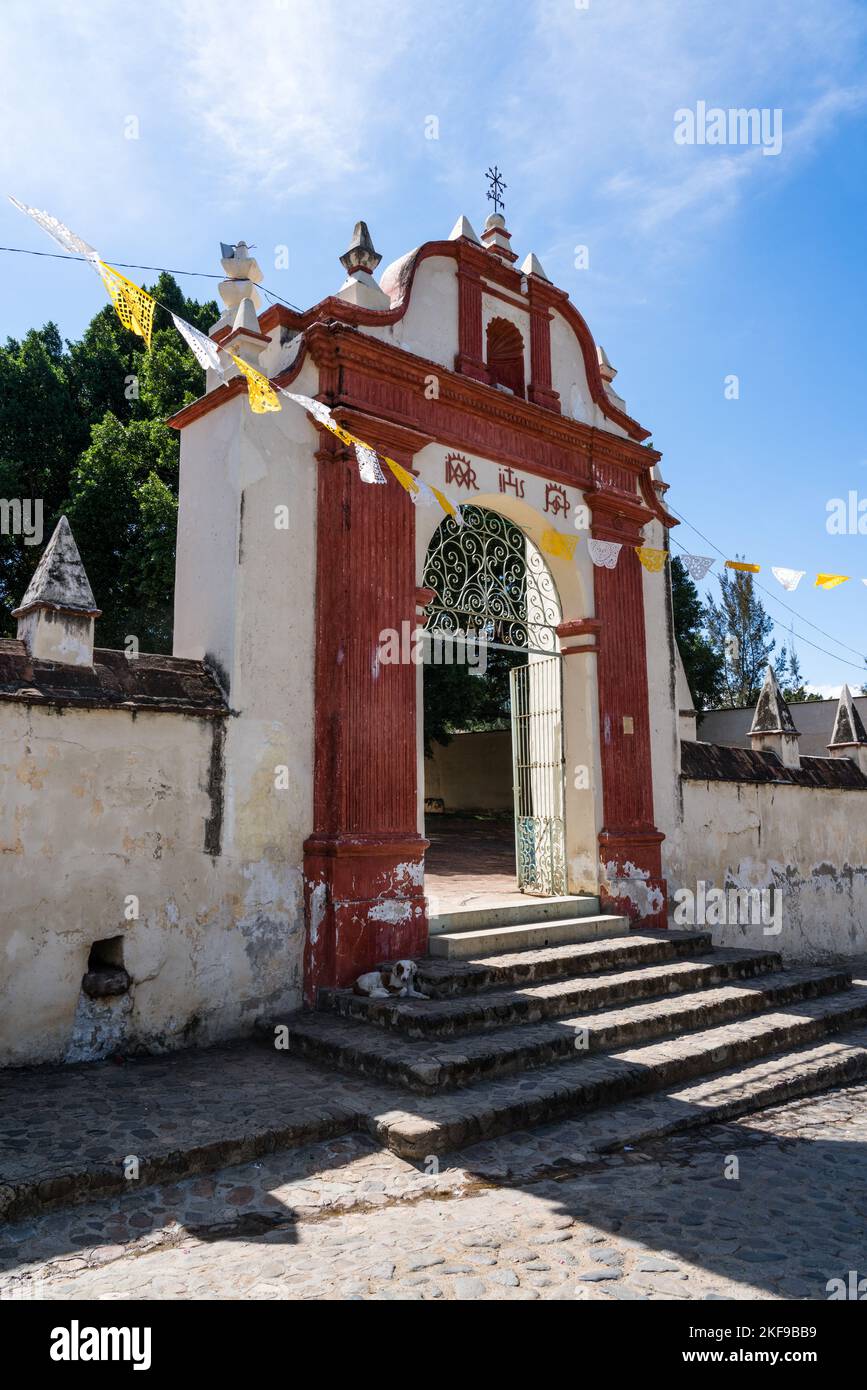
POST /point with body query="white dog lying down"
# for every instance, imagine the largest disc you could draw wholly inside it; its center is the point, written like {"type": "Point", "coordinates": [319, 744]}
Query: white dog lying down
{"type": "Point", "coordinates": [394, 982]}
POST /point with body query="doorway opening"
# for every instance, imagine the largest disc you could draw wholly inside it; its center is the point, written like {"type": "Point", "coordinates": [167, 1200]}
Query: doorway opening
{"type": "Point", "coordinates": [493, 717]}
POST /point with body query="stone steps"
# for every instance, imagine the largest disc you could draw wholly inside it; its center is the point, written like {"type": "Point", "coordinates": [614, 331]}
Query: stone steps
{"type": "Point", "coordinates": [837, 1060]}
{"type": "Point", "coordinates": [469, 945]}
{"type": "Point", "coordinates": [443, 979]}
{"type": "Point", "coordinates": [529, 911]}
{"type": "Point", "coordinates": [496, 1007]}
{"type": "Point", "coordinates": [434, 1125]}
{"type": "Point", "coordinates": [428, 1067]}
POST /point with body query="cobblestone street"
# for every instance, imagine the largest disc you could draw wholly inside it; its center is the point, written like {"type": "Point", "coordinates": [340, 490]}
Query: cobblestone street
{"type": "Point", "coordinates": [343, 1219]}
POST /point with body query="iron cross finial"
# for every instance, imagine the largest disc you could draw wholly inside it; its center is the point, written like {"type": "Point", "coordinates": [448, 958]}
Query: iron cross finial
{"type": "Point", "coordinates": [497, 188]}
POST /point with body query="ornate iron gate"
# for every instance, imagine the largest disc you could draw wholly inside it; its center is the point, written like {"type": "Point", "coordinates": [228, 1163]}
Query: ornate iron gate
{"type": "Point", "coordinates": [538, 776]}
{"type": "Point", "coordinates": [492, 583]}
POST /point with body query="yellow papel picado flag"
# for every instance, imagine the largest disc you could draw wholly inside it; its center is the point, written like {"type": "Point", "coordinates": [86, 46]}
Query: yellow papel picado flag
{"type": "Point", "coordinates": [135, 307]}
{"type": "Point", "coordinates": [652, 558]}
{"type": "Point", "coordinates": [555, 543]}
{"type": "Point", "coordinates": [406, 480]}
{"type": "Point", "coordinates": [262, 394]}
{"type": "Point", "coordinates": [743, 566]}
{"type": "Point", "coordinates": [830, 581]}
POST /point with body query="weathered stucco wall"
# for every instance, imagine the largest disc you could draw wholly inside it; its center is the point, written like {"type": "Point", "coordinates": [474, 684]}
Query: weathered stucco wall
{"type": "Point", "coordinates": [108, 825]}
{"type": "Point", "coordinates": [810, 844]}
{"type": "Point", "coordinates": [202, 820]}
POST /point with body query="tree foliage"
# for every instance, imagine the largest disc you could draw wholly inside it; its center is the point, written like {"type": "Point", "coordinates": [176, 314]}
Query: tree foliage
{"type": "Point", "coordinates": [82, 427]}
{"type": "Point", "coordinates": [727, 645]}
{"type": "Point", "coordinates": [701, 662]}
{"type": "Point", "coordinates": [455, 698]}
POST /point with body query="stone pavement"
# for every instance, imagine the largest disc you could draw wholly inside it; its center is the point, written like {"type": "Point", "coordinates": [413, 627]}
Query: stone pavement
{"type": "Point", "coordinates": [65, 1131]}
{"type": "Point", "coordinates": [770, 1207]}
{"type": "Point", "coordinates": [470, 863]}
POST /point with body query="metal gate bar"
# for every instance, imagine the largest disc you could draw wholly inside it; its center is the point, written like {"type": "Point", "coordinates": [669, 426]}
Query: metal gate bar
{"type": "Point", "coordinates": [538, 776]}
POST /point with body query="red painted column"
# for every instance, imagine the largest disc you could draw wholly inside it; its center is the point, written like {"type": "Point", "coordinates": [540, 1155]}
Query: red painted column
{"type": "Point", "coordinates": [629, 843]}
{"type": "Point", "coordinates": [364, 861]}
{"type": "Point", "coordinates": [470, 356]}
{"type": "Point", "coordinates": [540, 391]}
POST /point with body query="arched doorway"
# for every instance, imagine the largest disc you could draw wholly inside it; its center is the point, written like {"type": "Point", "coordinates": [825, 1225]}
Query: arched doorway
{"type": "Point", "coordinates": [495, 598]}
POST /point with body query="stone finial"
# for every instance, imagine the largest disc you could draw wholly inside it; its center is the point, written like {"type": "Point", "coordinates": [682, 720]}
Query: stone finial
{"type": "Point", "coordinates": [463, 228]}
{"type": "Point", "coordinates": [360, 254]}
{"type": "Point", "coordinates": [496, 239]}
{"type": "Point", "coordinates": [849, 737]}
{"type": "Point", "coordinates": [243, 275]}
{"type": "Point", "coordinates": [773, 728]}
{"type": "Point", "coordinates": [359, 261]}
{"type": "Point", "coordinates": [56, 615]}
{"type": "Point", "coordinates": [606, 371]}
{"type": "Point", "coordinates": [533, 266]}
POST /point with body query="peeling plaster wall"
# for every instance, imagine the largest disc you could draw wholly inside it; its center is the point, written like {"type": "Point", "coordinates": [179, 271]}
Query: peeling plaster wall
{"type": "Point", "coordinates": [809, 843]}
{"type": "Point", "coordinates": [182, 811]}
{"type": "Point", "coordinates": [99, 806]}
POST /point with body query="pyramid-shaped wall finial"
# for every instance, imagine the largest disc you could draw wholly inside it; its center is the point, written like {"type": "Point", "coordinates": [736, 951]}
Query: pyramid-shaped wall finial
{"type": "Point", "coordinates": [59, 580]}
{"type": "Point", "coordinates": [773, 728]}
{"type": "Point", "coordinates": [533, 266]}
{"type": "Point", "coordinates": [849, 738]}
{"type": "Point", "coordinates": [463, 228]}
{"type": "Point", "coordinates": [360, 255]}
{"type": "Point", "coordinates": [55, 616]}
{"type": "Point", "coordinates": [359, 262]}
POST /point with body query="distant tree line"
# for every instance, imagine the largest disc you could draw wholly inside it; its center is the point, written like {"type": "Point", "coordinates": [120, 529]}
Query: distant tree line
{"type": "Point", "coordinates": [727, 645]}
{"type": "Point", "coordinates": [82, 427]}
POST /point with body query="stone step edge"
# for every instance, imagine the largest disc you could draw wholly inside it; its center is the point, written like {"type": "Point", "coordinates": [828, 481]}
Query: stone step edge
{"type": "Point", "coordinates": [442, 1070]}
{"type": "Point", "coordinates": [417, 1136]}
{"type": "Point", "coordinates": [565, 959]}
{"type": "Point", "coordinates": [837, 1060]}
{"type": "Point", "coordinates": [537, 910]}
{"type": "Point", "coordinates": [722, 964]}
{"type": "Point", "coordinates": [614, 925]}
{"type": "Point", "coordinates": [73, 1186]}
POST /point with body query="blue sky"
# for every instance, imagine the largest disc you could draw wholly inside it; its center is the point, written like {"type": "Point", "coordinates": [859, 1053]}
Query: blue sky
{"type": "Point", "coordinates": [283, 121]}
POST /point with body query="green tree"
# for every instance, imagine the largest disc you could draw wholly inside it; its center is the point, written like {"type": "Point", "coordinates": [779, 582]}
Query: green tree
{"type": "Point", "coordinates": [740, 632]}
{"type": "Point", "coordinates": [82, 427]}
{"type": "Point", "coordinates": [792, 682]}
{"type": "Point", "coordinates": [117, 511]}
{"type": "Point", "coordinates": [455, 698]}
{"type": "Point", "coordinates": [702, 664]}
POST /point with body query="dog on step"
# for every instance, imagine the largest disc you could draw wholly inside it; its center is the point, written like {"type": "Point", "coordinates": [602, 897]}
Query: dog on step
{"type": "Point", "coordinates": [391, 982]}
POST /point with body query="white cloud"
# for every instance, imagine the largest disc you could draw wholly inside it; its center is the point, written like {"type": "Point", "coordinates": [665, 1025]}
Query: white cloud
{"type": "Point", "coordinates": [306, 99]}
{"type": "Point", "coordinates": [288, 98]}
{"type": "Point", "coordinates": [827, 692]}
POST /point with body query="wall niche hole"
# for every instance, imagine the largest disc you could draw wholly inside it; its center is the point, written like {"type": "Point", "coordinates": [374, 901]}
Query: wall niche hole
{"type": "Point", "coordinates": [106, 974]}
